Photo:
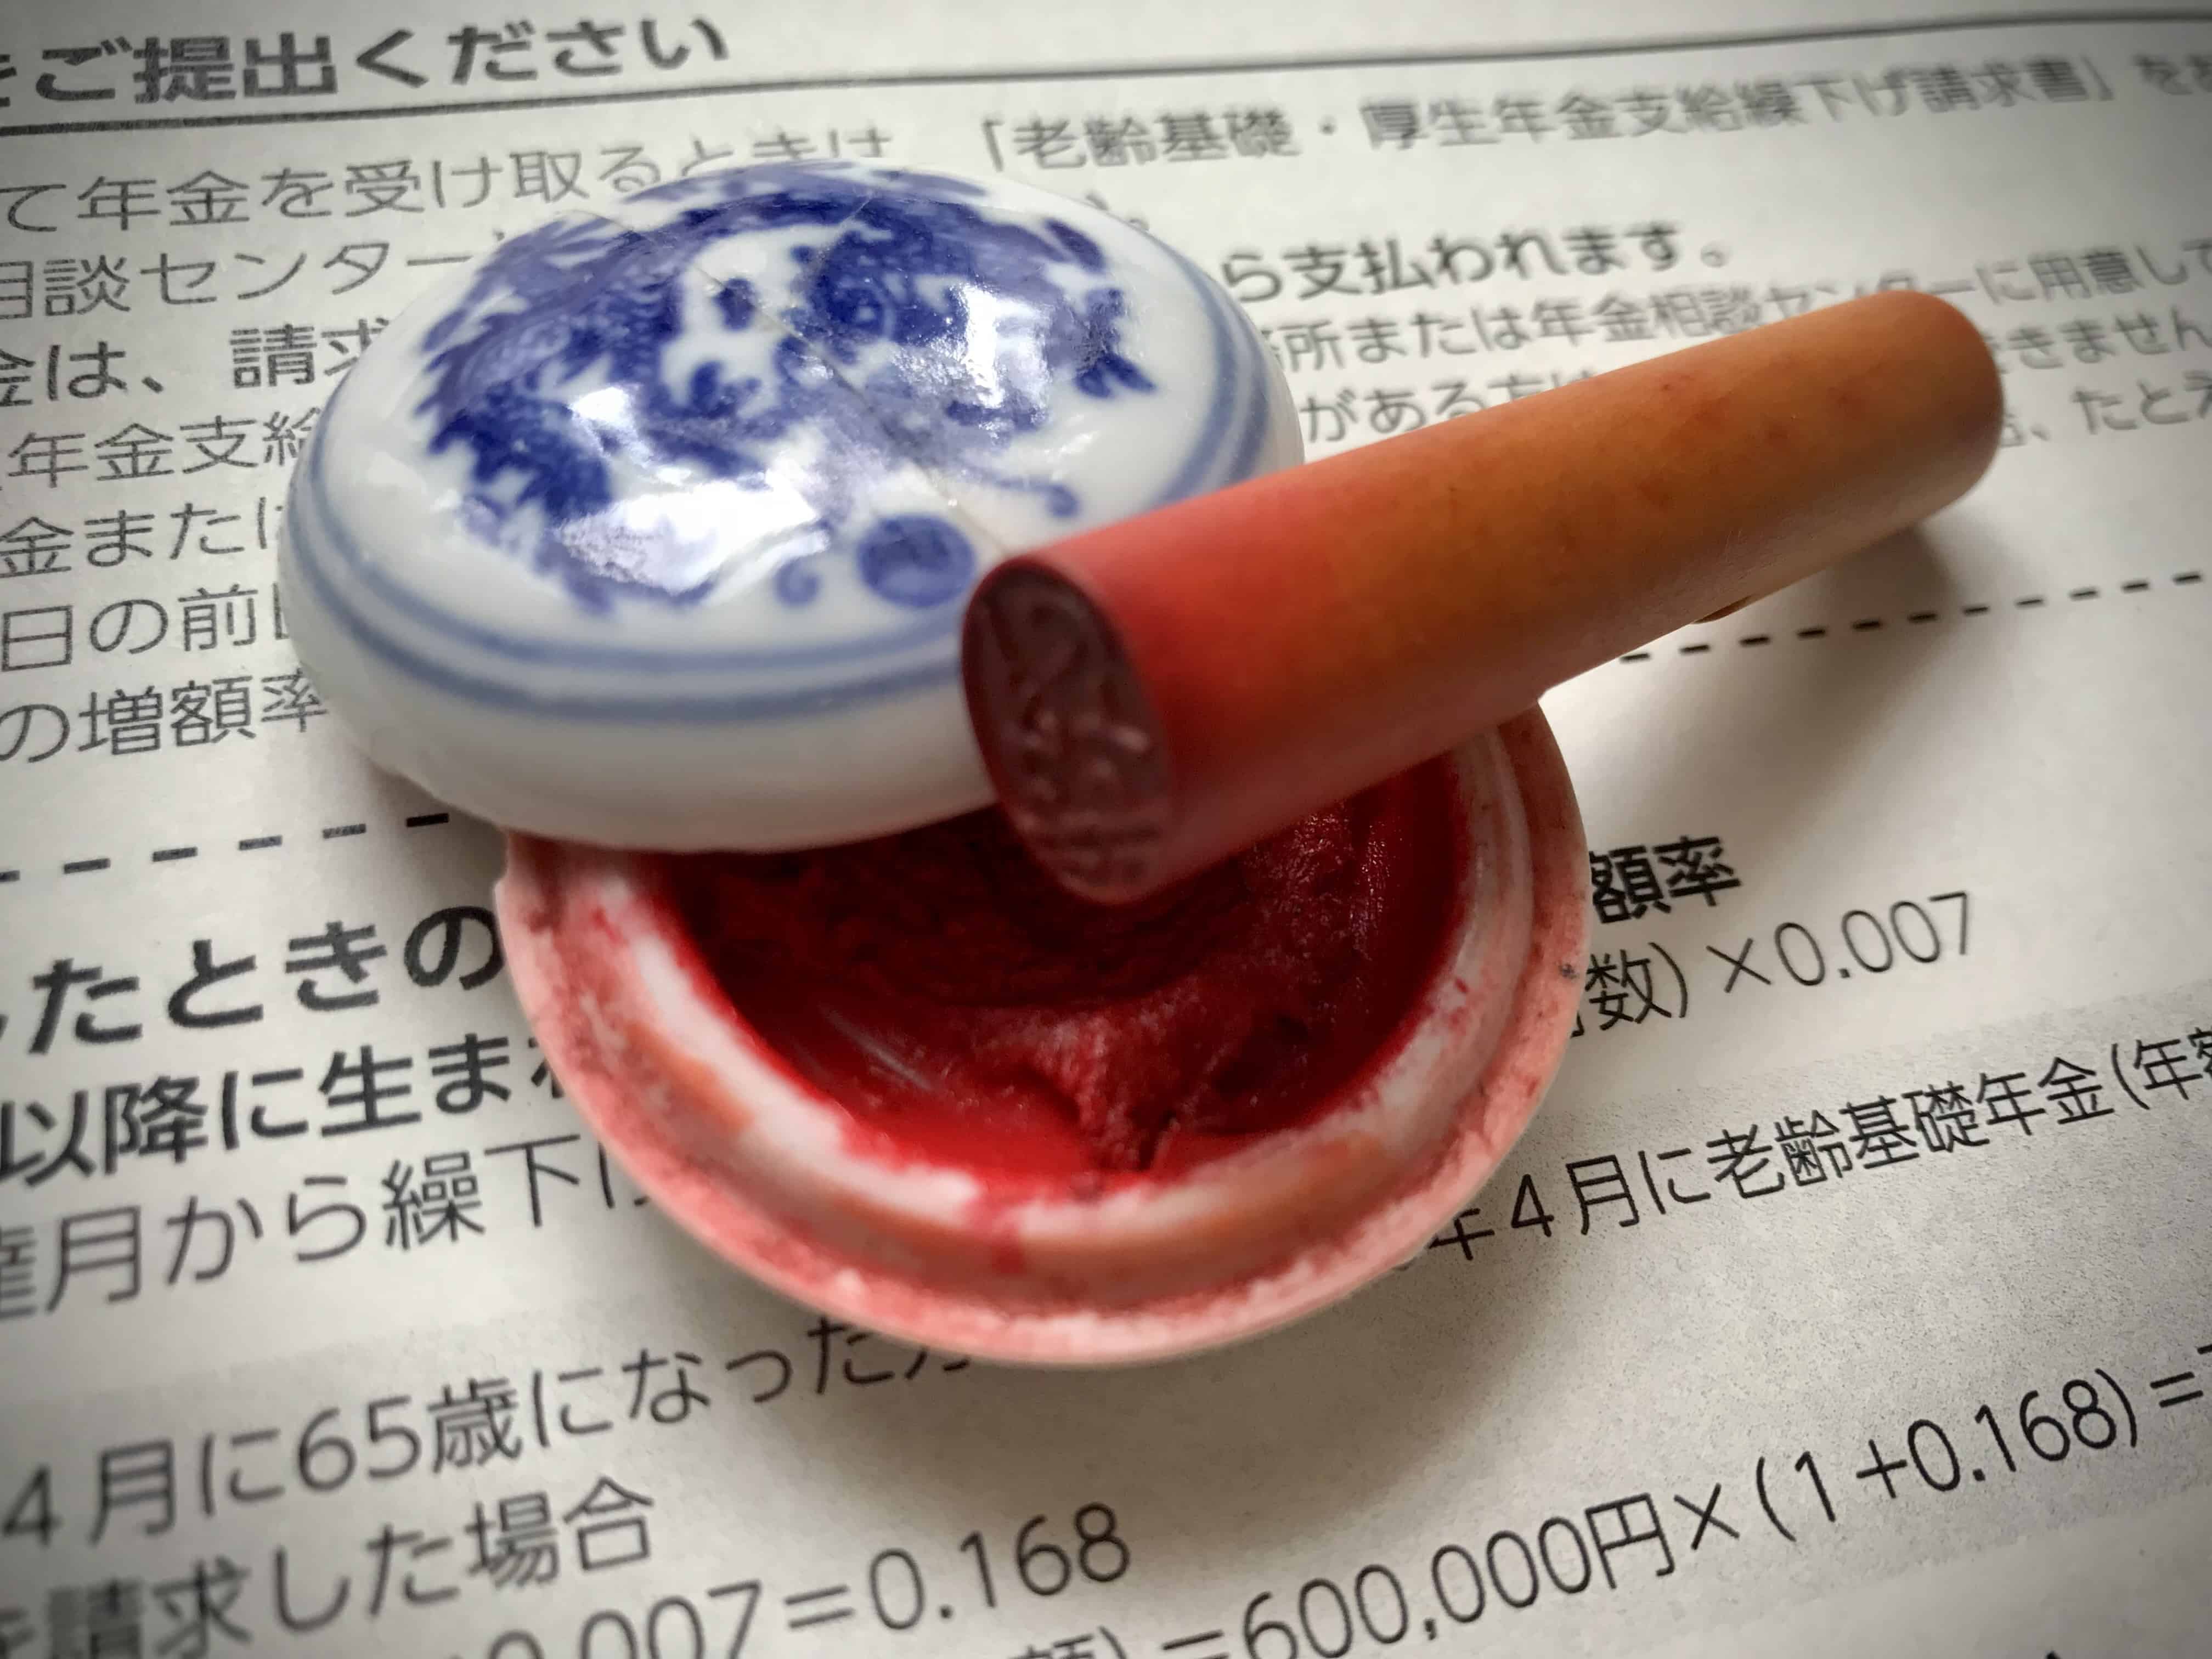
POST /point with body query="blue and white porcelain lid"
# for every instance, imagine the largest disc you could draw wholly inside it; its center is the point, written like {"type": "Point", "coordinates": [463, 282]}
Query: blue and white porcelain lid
{"type": "Point", "coordinates": [653, 527]}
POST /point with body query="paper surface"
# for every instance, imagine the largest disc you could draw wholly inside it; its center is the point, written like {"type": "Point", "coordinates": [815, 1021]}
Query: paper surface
{"type": "Point", "coordinates": [1850, 1294]}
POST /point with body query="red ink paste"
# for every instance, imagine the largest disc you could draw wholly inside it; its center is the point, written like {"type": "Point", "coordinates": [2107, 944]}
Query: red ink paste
{"type": "Point", "coordinates": [947, 993]}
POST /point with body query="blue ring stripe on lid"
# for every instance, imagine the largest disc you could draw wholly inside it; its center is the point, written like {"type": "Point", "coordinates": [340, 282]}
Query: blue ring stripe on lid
{"type": "Point", "coordinates": [1254, 376]}
{"type": "Point", "coordinates": [1190, 479]}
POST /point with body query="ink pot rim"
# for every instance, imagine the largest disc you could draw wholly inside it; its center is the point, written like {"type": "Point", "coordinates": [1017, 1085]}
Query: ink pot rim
{"type": "Point", "coordinates": [759, 1165]}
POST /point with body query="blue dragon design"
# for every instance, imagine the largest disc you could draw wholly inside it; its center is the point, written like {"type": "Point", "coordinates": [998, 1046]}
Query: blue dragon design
{"type": "Point", "coordinates": [875, 363]}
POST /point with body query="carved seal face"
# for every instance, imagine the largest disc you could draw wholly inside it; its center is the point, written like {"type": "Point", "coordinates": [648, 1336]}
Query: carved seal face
{"type": "Point", "coordinates": [654, 525]}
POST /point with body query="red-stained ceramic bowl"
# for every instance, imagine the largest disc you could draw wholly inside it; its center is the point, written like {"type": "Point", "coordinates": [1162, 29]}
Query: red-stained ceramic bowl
{"type": "Point", "coordinates": [767, 1170]}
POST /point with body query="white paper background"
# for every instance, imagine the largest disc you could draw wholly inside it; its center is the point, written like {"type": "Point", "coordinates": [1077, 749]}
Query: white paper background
{"type": "Point", "coordinates": [2048, 760]}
